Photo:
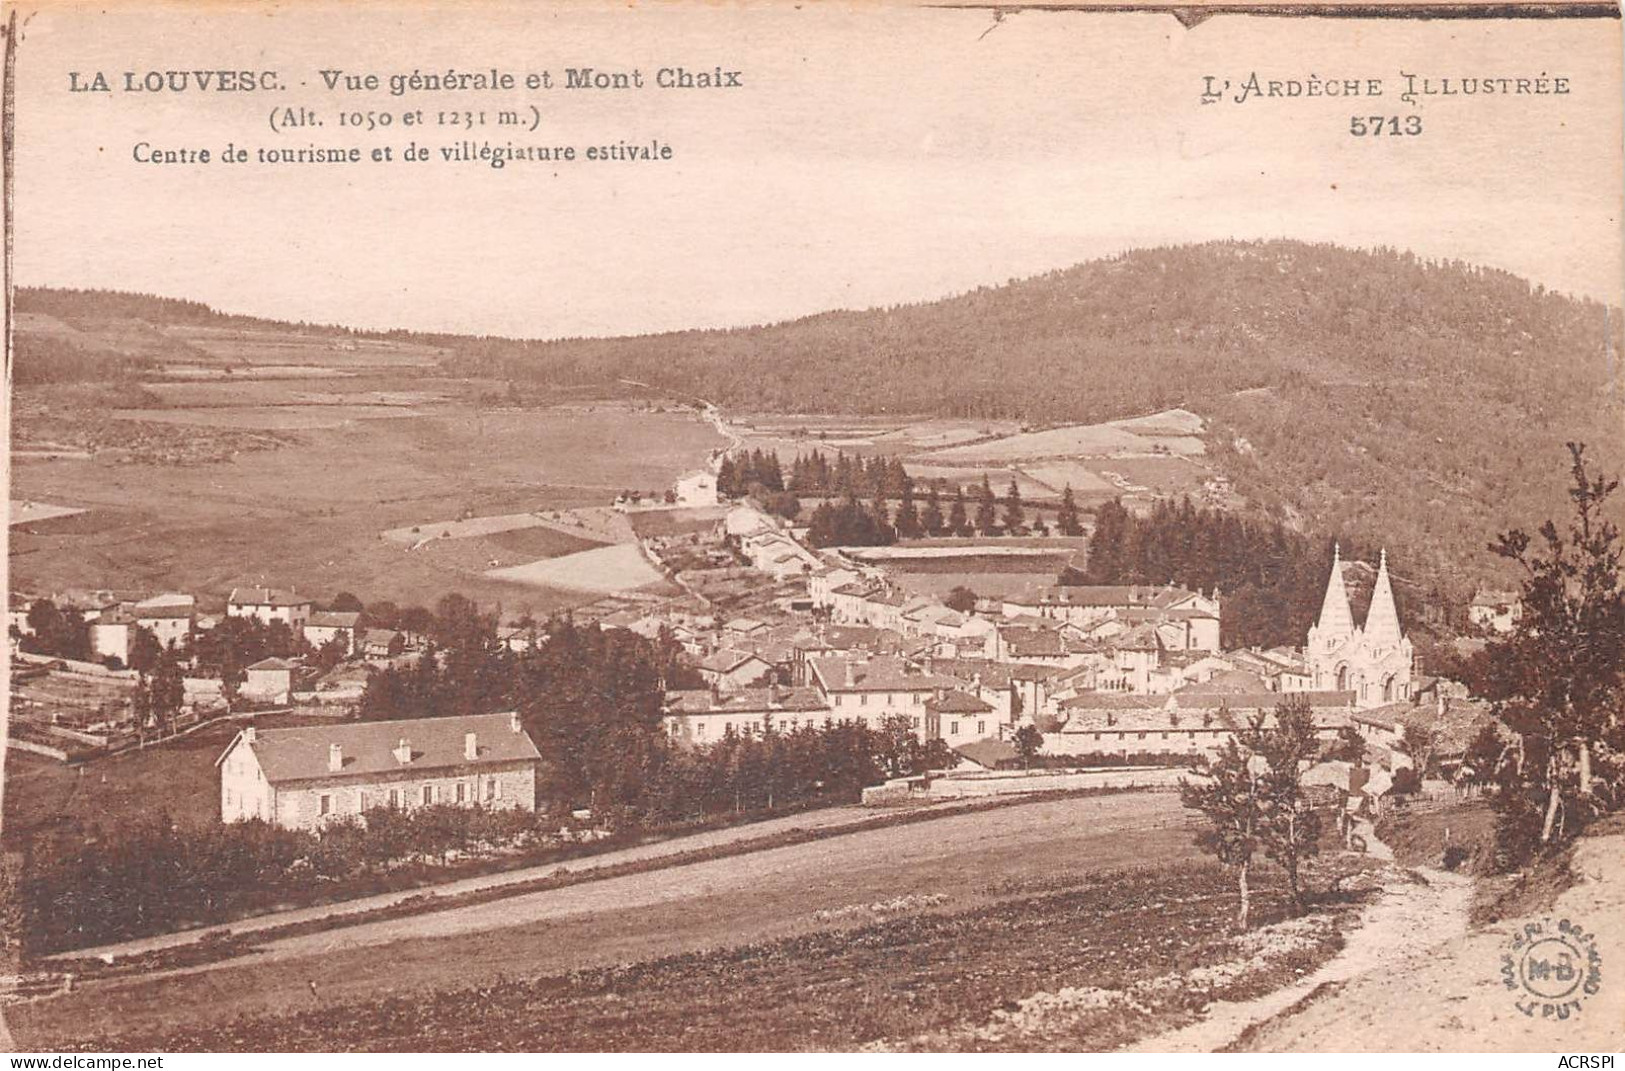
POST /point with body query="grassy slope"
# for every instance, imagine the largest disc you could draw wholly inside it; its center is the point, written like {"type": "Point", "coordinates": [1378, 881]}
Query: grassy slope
{"type": "Point", "coordinates": [901, 981]}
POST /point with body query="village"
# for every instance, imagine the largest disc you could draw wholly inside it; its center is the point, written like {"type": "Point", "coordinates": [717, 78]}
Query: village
{"type": "Point", "coordinates": [1047, 687]}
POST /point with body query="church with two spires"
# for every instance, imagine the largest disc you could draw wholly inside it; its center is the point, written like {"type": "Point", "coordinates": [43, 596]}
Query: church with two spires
{"type": "Point", "coordinates": [1373, 660]}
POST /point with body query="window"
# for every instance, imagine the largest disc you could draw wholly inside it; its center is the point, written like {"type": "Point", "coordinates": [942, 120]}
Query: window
{"type": "Point", "coordinates": [325, 804]}
{"type": "Point", "coordinates": [461, 789]}
{"type": "Point", "coordinates": [953, 728]}
{"type": "Point", "coordinates": [981, 728]}
{"type": "Point", "coordinates": [916, 721]}
{"type": "Point", "coordinates": [496, 789]}
{"type": "Point", "coordinates": [699, 730]}
{"type": "Point", "coordinates": [1142, 736]}
{"type": "Point", "coordinates": [428, 795]}
{"type": "Point", "coordinates": [1097, 736]}
{"type": "Point", "coordinates": [228, 797]}
{"type": "Point", "coordinates": [863, 700]}
{"type": "Point", "coordinates": [394, 797]}
{"type": "Point", "coordinates": [837, 700]}
{"type": "Point", "coordinates": [1165, 736]}
{"type": "Point", "coordinates": [491, 788]}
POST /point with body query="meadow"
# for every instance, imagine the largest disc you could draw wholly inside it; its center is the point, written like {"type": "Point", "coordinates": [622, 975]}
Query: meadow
{"type": "Point", "coordinates": [1078, 924]}
{"type": "Point", "coordinates": [309, 512]}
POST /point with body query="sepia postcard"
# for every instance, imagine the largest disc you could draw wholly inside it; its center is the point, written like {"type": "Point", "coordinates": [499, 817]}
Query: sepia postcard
{"type": "Point", "coordinates": [794, 527]}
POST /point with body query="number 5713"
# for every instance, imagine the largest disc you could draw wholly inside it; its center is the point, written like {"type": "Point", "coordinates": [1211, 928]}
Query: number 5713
{"type": "Point", "coordinates": [1376, 126]}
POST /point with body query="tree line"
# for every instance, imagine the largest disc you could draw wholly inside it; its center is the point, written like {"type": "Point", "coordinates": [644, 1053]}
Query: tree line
{"type": "Point", "coordinates": [593, 701]}
{"type": "Point", "coordinates": [1272, 579]}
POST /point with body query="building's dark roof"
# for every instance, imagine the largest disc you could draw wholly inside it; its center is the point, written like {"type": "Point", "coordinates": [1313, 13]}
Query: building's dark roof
{"type": "Point", "coordinates": [1113, 701]}
{"type": "Point", "coordinates": [157, 613]}
{"type": "Point", "coordinates": [879, 674]}
{"type": "Point", "coordinates": [333, 619]}
{"type": "Point", "coordinates": [988, 754]}
{"type": "Point", "coordinates": [747, 701]}
{"type": "Point", "coordinates": [265, 597]}
{"type": "Point", "coordinates": [1102, 595]}
{"type": "Point", "coordinates": [274, 663]}
{"type": "Point", "coordinates": [727, 660]}
{"type": "Point", "coordinates": [956, 702]}
{"type": "Point", "coordinates": [1228, 682]}
{"type": "Point", "coordinates": [379, 637]}
{"type": "Point", "coordinates": [1033, 643]}
{"type": "Point", "coordinates": [1185, 699]}
{"type": "Point", "coordinates": [368, 747]}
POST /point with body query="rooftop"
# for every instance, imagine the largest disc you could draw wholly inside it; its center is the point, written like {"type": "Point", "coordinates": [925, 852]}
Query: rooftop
{"type": "Point", "coordinates": [368, 748]}
{"type": "Point", "coordinates": [265, 597]}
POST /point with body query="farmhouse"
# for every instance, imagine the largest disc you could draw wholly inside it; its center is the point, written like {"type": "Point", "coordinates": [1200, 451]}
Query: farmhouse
{"type": "Point", "coordinates": [170, 623]}
{"type": "Point", "coordinates": [302, 778]}
{"type": "Point", "coordinates": [269, 680]}
{"type": "Point", "coordinates": [325, 626]}
{"type": "Point", "coordinates": [110, 635]}
{"type": "Point", "coordinates": [382, 643]}
{"type": "Point", "coordinates": [268, 605]}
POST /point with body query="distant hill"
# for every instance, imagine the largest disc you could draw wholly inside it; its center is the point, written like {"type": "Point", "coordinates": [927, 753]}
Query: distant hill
{"type": "Point", "coordinates": [1417, 404]}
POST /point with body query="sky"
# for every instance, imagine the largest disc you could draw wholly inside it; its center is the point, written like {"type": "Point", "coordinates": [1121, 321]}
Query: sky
{"type": "Point", "coordinates": [874, 155]}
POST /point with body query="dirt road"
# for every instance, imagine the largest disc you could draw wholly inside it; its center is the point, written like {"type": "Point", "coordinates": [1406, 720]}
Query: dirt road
{"type": "Point", "coordinates": [1452, 998]}
{"type": "Point", "coordinates": [1413, 977]}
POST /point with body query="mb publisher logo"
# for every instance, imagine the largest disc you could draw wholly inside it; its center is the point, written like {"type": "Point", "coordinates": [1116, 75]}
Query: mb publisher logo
{"type": "Point", "coordinates": [1552, 968]}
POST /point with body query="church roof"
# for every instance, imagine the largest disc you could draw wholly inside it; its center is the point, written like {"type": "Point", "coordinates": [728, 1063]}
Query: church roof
{"type": "Point", "coordinates": [1382, 620]}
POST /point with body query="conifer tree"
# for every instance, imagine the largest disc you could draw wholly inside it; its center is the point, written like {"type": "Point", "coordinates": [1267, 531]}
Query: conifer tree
{"type": "Point", "coordinates": [932, 520]}
{"type": "Point", "coordinates": [958, 523]}
{"type": "Point", "coordinates": [986, 507]}
{"type": "Point", "coordinates": [1066, 520]}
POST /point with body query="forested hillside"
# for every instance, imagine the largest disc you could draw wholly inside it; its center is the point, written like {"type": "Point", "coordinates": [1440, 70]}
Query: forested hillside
{"type": "Point", "coordinates": [1414, 404]}
{"type": "Point", "coordinates": [1417, 404]}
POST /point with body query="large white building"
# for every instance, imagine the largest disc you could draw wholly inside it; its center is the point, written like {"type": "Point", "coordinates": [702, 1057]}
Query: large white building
{"type": "Point", "coordinates": [302, 778]}
{"type": "Point", "coordinates": [1375, 660]}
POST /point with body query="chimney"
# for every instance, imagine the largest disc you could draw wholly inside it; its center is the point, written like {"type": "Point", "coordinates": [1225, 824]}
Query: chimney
{"type": "Point", "coordinates": [471, 748]}
{"type": "Point", "coordinates": [513, 722]}
{"type": "Point", "coordinates": [403, 752]}
{"type": "Point", "coordinates": [248, 735]}
{"type": "Point", "coordinates": [335, 758]}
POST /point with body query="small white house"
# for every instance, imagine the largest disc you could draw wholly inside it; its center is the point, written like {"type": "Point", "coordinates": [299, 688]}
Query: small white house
{"type": "Point", "coordinates": [269, 680]}
{"type": "Point", "coordinates": [325, 626]}
{"type": "Point", "coordinates": [697, 489]}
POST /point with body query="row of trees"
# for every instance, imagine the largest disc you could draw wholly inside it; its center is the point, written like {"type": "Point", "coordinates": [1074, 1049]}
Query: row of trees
{"type": "Point", "coordinates": [750, 472]}
{"type": "Point", "coordinates": [847, 522]}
